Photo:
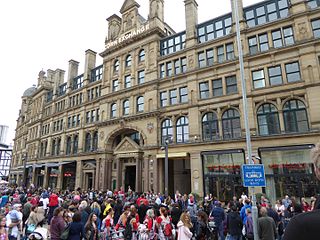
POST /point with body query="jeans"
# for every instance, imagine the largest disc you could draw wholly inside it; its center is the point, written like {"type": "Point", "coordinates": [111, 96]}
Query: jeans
{"type": "Point", "coordinates": [220, 231]}
{"type": "Point", "coordinates": [234, 237]}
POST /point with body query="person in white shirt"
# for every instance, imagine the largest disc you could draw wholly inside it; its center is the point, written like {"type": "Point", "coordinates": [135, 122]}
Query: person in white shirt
{"type": "Point", "coordinates": [14, 228]}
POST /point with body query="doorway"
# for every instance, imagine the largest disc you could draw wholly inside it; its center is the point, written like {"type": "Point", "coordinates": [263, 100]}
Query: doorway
{"type": "Point", "coordinates": [130, 178]}
{"type": "Point", "coordinates": [89, 181]}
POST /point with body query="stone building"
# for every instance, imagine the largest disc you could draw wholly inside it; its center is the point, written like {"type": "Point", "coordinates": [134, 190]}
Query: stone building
{"type": "Point", "coordinates": [104, 128]}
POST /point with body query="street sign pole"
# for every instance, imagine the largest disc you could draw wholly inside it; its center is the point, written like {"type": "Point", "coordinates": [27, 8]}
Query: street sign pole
{"type": "Point", "coordinates": [246, 119]}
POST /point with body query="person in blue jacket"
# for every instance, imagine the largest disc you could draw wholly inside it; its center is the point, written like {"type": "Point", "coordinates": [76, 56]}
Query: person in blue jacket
{"type": "Point", "coordinates": [218, 215]}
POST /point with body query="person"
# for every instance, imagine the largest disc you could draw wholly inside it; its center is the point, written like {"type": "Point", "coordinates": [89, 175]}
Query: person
{"type": "Point", "coordinates": [201, 231]}
{"type": "Point", "coordinates": [266, 226]}
{"type": "Point", "coordinates": [175, 213]}
{"type": "Point", "coordinates": [234, 224]}
{"type": "Point", "coordinates": [91, 228]}
{"type": "Point", "coordinates": [3, 232]}
{"type": "Point", "coordinates": [32, 221]}
{"type": "Point", "coordinates": [76, 228]}
{"type": "Point", "coordinates": [150, 223]}
{"type": "Point", "coordinates": [57, 224]}
{"type": "Point", "coordinates": [14, 227]}
{"type": "Point", "coordinates": [184, 226]}
{"type": "Point", "coordinates": [164, 225]}
{"type": "Point", "coordinates": [306, 225]}
{"type": "Point", "coordinates": [107, 224]}
{"type": "Point", "coordinates": [218, 217]}
{"type": "Point", "coordinates": [249, 225]}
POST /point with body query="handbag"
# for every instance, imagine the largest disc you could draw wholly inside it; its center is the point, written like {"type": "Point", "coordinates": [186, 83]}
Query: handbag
{"type": "Point", "coordinates": [65, 234]}
{"type": "Point", "coordinates": [31, 228]}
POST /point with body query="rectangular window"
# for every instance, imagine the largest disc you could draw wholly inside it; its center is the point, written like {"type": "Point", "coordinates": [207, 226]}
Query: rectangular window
{"type": "Point", "coordinates": [127, 81]}
{"type": "Point", "coordinates": [217, 87]}
{"type": "Point", "coordinates": [163, 99]}
{"type": "Point", "coordinates": [78, 120]}
{"type": "Point", "coordinates": [183, 92]}
{"type": "Point", "coordinates": [74, 120]}
{"type": "Point", "coordinates": [258, 79]}
{"type": "Point", "coordinates": [231, 84]}
{"type": "Point", "coordinates": [210, 57]}
{"type": "Point", "coordinates": [263, 42]}
{"type": "Point", "coordinates": [230, 51]}
{"type": "Point", "coordinates": [201, 59]}
{"type": "Point", "coordinates": [277, 38]}
{"type": "Point", "coordinates": [220, 53]}
{"type": "Point", "coordinates": [69, 122]}
{"type": "Point", "coordinates": [275, 75]}
{"type": "Point", "coordinates": [253, 45]}
{"type": "Point", "coordinates": [162, 72]}
{"type": "Point", "coordinates": [141, 77]}
{"type": "Point", "coordinates": [313, 3]}
{"type": "Point", "coordinates": [115, 85]}
{"type": "Point", "coordinates": [92, 116]}
{"type": "Point", "coordinates": [316, 28]}
{"type": "Point", "coordinates": [288, 36]}
{"type": "Point", "coordinates": [87, 117]}
{"type": "Point", "coordinates": [184, 64]}
{"type": "Point", "coordinates": [173, 96]}
{"type": "Point", "coordinates": [204, 90]}
{"type": "Point", "coordinates": [293, 72]}
{"type": "Point", "coordinates": [97, 114]}
{"type": "Point", "coordinates": [169, 69]}
{"type": "Point", "coordinates": [177, 67]}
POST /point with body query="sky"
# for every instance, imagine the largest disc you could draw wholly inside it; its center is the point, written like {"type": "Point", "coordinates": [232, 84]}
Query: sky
{"type": "Point", "coordinates": [46, 34]}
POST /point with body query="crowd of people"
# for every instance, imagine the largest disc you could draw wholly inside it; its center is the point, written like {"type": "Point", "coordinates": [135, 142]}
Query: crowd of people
{"type": "Point", "coordinates": [93, 215]}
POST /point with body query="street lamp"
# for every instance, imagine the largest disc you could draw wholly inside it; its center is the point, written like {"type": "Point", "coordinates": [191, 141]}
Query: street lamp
{"type": "Point", "coordinates": [24, 159]}
{"type": "Point", "coordinates": [166, 166]}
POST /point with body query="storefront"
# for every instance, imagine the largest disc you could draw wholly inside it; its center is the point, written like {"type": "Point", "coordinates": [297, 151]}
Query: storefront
{"type": "Point", "coordinates": [69, 176]}
{"type": "Point", "coordinates": [289, 171]}
{"type": "Point", "coordinates": [53, 177]}
{"type": "Point", "coordinates": [222, 173]}
{"type": "Point", "coordinates": [40, 172]}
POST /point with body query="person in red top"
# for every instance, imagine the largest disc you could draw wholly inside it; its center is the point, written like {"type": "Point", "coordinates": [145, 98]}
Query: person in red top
{"type": "Point", "coordinates": [53, 204]}
{"type": "Point", "coordinates": [142, 199]}
{"type": "Point", "coordinates": [164, 223]}
{"type": "Point", "coordinates": [107, 224]}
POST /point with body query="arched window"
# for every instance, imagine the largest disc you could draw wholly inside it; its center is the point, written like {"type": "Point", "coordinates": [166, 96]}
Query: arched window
{"type": "Point", "coordinates": [75, 144]}
{"type": "Point", "coordinates": [87, 147]}
{"type": "Point", "coordinates": [210, 128]}
{"type": "Point", "coordinates": [166, 130]}
{"type": "Point", "coordinates": [95, 141]}
{"type": "Point", "coordinates": [231, 124]}
{"type": "Point", "coordinates": [116, 65]}
{"type": "Point", "coordinates": [182, 130]}
{"type": "Point", "coordinates": [125, 107]}
{"type": "Point", "coordinates": [113, 111]}
{"type": "Point", "coordinates": [142, 55]}
{"type": "Point", "coordinates": [268, 119]}
{"type": "Point", "coordinates": [295, 116]}
{"type": "Point", "coordinates": [68, 147]}
{"type": "Point", "coordinates": [128, 61]}
{"type": "Point", "coordinates": [140, 104]}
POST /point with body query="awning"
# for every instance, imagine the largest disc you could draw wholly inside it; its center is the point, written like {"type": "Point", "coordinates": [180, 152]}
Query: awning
{"type": "Point", "coordinates": [173, 155]}
{"type": "Point", "coordinates": [57, 164]}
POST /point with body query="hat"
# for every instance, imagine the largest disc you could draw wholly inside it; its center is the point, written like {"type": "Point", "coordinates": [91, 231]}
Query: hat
{"type": "Point", "coordinates": [17, 205]}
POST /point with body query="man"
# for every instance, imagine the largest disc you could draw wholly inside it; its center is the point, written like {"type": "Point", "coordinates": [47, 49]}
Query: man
{"type": "Point", "coordinates": [306, 225]}
{"type": "Point", "coordinates": [14, 222]}
{"type": "Point", "coordinates": [266, 226]}
{"type": "Point", "coordinates": [218, 217]}
{"type": "Point", "coordinates": [234, 224]}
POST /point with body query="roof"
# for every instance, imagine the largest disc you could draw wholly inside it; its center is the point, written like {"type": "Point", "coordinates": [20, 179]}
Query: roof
{"type": "Point", "coordinates": [29, 91]}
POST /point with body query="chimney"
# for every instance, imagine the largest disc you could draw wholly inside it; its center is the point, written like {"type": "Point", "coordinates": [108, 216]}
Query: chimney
{"type": "Point", "coordinates": [191, 15]}
{"type": "Point", "coordinates": [59, 77]}
{"type": "Point", "coordinates": [50, 74]}
{"type": "Point", "coordinates": [240, 13]}
{"type": "Point", "coordinates": [89, 64]}
{"type": "Point", "coordinates": [72, 71]}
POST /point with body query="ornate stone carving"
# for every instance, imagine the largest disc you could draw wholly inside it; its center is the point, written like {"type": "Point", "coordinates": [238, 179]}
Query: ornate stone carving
{"type": "Point", "coordinates": [101, 135]}
{"type": "Point", "coordinates": [302, 30]}
{"type": "Point", "coordinates": [114, 30]}
{"type": "Point", "coordinates": [150, 127]}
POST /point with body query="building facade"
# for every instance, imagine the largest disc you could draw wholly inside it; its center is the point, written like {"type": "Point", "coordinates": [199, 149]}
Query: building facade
{"type": "Point", "coordinates": [104, 128]}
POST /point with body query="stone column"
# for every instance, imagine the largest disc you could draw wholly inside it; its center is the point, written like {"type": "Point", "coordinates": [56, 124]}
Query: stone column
{"type": "Point", "coordinates": [60, 178]}
{"type": "Point", "coordinates": [146, 186]}
{"type": "Point", "coordinates": [33, 180]}
{"type": "Point", "coordinates": [138, 174]}
{"type": "Point", "coordinates": [119, 175]}
{"type": "Point", "coordinates": [108, 173]}
{"type": "Point", "coordinates": [46, 177]}
{"type": "Point", "coordinates": [97, 180]}
{"type": "Point", "coordinates": [79, 174]}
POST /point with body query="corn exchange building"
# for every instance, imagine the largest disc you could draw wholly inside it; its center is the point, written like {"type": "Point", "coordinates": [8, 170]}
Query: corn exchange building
{"type": "Point", "coordinates": [106, 127]}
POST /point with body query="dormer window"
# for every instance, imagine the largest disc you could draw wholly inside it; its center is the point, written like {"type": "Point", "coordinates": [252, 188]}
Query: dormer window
{"type": "Point", "coordinates": [128, 61]}
{"type": "Point", "coordinates": [116, 66]}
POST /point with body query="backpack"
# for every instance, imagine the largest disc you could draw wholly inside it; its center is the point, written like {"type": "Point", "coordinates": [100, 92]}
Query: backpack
{"type": "Point", "coordinates": [167, 228]}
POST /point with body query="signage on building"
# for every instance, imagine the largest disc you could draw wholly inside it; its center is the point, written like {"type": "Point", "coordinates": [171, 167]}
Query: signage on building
{"type": "Point", "coordinates": [253, 175]}
{"type": "Point", "coordinates": [127, 36]}
{"type": "Point", "coordinates": [67, 174]}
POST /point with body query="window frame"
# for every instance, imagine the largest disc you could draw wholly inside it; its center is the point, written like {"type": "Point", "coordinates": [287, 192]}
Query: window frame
{"type": "Point", "coordinates": [182, 137]}
{"type": "Point", "coordinates": [126, 107]}
{"type": "Point", "coordinates": [140, 105]}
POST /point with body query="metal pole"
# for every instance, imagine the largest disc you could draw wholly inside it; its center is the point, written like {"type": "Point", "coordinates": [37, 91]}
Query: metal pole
{"type": "Point", "coordinates": [246, 118]}
{"type": "Point", "coordinates": [166, 169]}
{"type": "Point", "coordinates": [24, 179]}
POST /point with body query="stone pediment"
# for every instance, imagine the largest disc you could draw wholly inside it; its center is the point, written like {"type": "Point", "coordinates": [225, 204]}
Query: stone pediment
{"type": "Point", "coordinates": [87, 166]}
{"type": "Point", "coordinates": [128, 4]}
{"type": "Point", "coordinates": [127, 145]}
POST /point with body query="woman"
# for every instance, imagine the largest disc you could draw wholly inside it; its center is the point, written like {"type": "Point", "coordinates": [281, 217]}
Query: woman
{"type": "Point", "coordinates": [184, 226]}
{"type": "Point", "coordinates": [3, 232]}
{"type": "Point", "coordinates": [91, 228]}
{"type": "Point", "coordinates": [57, 224]}
{"type": "Point", "coordinates": [150, 223]}
{"type": "Point", "coordinates": [76, 228]}
{"type": "Point", "coordinates": [202, 226]}
{"type": "Point", "coordinates": [164, 225]}
{"type": "Point", "coordinates": [32, 220]}
{"type": "Point", "coordinates": [96, 209]}
{"type": "Point", "coordinates": [107, 224]}
{"type": "Point", "coordinates": [40, 212]}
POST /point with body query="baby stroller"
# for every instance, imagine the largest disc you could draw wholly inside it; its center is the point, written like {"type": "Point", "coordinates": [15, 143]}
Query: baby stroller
{"type": "Point", "coordinates": [117, 235]}
{"type": "Point", "coordinates": [40, 233]}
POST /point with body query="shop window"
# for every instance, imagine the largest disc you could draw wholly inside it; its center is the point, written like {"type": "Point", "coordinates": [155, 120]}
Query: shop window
{"type": "Point", "coordinates": [231, 124]}
{"type": "Point", "coordinates": [142, 55]}
{"type": "Point", "coordinates": [210, 128]}
{"type": "Point", "coordinates": [268, 120]}
{"type": "Point", "coordinates": [166, 130]}
{"type": "Point", "coordinates": [295, 116]}
{"type": "Point", "coordinates": [182, 130]}
{"type": "Point", "coordinates": [126, 107]}
{"type": "Point", "coordinates": [140, 104]}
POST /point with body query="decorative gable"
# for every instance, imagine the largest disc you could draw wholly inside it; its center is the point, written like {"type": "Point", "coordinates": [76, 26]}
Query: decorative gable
{"type": "Point", "coordinates": [127, 145]}
{"type": "Point", "coordinates": [127, 5]}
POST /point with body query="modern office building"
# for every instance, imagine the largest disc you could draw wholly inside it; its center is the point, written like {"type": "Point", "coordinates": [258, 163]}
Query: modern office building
{"type": "Point", "coordinates": [104, 128]}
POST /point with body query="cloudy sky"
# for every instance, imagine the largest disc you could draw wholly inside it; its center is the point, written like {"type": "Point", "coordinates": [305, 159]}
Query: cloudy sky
{"type": "Point", "coordinates": [46, 34]}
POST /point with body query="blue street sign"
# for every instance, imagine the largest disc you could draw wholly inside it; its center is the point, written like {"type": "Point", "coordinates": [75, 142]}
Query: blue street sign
{"type": "Point", "coordinates": [253, 175]}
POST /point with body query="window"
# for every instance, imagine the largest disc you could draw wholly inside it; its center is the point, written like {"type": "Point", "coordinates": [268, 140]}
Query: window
{"type": "Point", "coordinates": [162, 71]}
{"type": "Point", "coordinates": [77, 82]}
{"type": "Point", "coordinates": [169, 69]}
{"type": "Point", "coordinates": [75, 144]}
{"type": "Point", "coordinates": [210, 57]}
{"type": "Point", "coordinates": [230, 51]}
{"type": "Point", "coordinates": [166, 130]}
{"type": "Point", "coordinates": [204, 90]}
{"type": "Point", "coordinates": [87, 117]}
{"type": "Point", "coordinates": [173, 96]}
{"type": "Point", "coordinates": [127, 81]}
{"type": "Point", "coordinates": [173, 44]}
{"type": "Point", "coordinates": [113, 112]}
{"type": "Point", "coordinates": [263, 42]}
{"type": "Point", "coordinates": [96, 74]}
{"type": "Point", "coordinates": [231, 84]}
{"type": "Point", "coordinates": [128, 61]}
{"type": "Point", "coordinates": [183, 64]}
{"type": "Point", "coordinates": [95, 141]}
{"type": "Point", "coordinates": [92, 116]}
{"type": "Point", "coordinates": [163, 99]}
{"type": "Point", "coordinates": [183, 94]}
{"type": "Point", "coordinates": [115, 85]}
{"type": "Point", "coordinates": [68, 146]}
{"type": "Point", "coordinates": [258, 79]}
{"type": "Point", "coordinates": [53, 147]}
{"type": "Point", "coordinates": [253, 45]}
{"type": "Point", "coordinates": [295, 116]}
{"type": "Point", "coordinates": [210, 128]}
{"type": "Point", "coordinates": [177, 68]}
{"type": "Point", "coordinates": [259, 43]}
{"type": "Point", "coordinates": [288, 36]}
{"type": "Point", "coordinates": [87, 146]}
{"type": "Point", "coordinates": [220, 53]}
{"type": "Point", "coordinates": [231, 124]}
{"type": "Point", "coordinates": [268, 119]}
{"type": "Point", "coordinates": [275, 75]}
{"type": "Point", "coordinates": [313, 3]}
{"type": "Point", "coordinates": [140, 104]}
{"type": "Point", "coordinates": [116, 65]}
{"type": "Point", "coordinates": [201, 59]}
{"type": "Point", "coordinates": [182, 130]}
{"type": "Point", "coordinates": [217, 87]}
{"type": "Point", "coordinates": [97, 114]}
{"type": "Point", "coordinates": [125, 107]}
{"type": "Point", "coordinates": [58, 146]}
{"type": "Point", "coordinates": [141, 77]}
{"type": "Point", "coordinates": [277, 39]}
{"type": "Point", "coordinates": [316, 28]}
{"type": "Point", "coordinates": [293, 72]}
{"type": "Point", "coordinates": [142, 55]}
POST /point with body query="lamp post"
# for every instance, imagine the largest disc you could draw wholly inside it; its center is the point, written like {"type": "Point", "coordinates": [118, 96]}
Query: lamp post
{"type": "Point", "coordinates": [166, 167]}
{"type": "Point", "coordinates": [24, 179]}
